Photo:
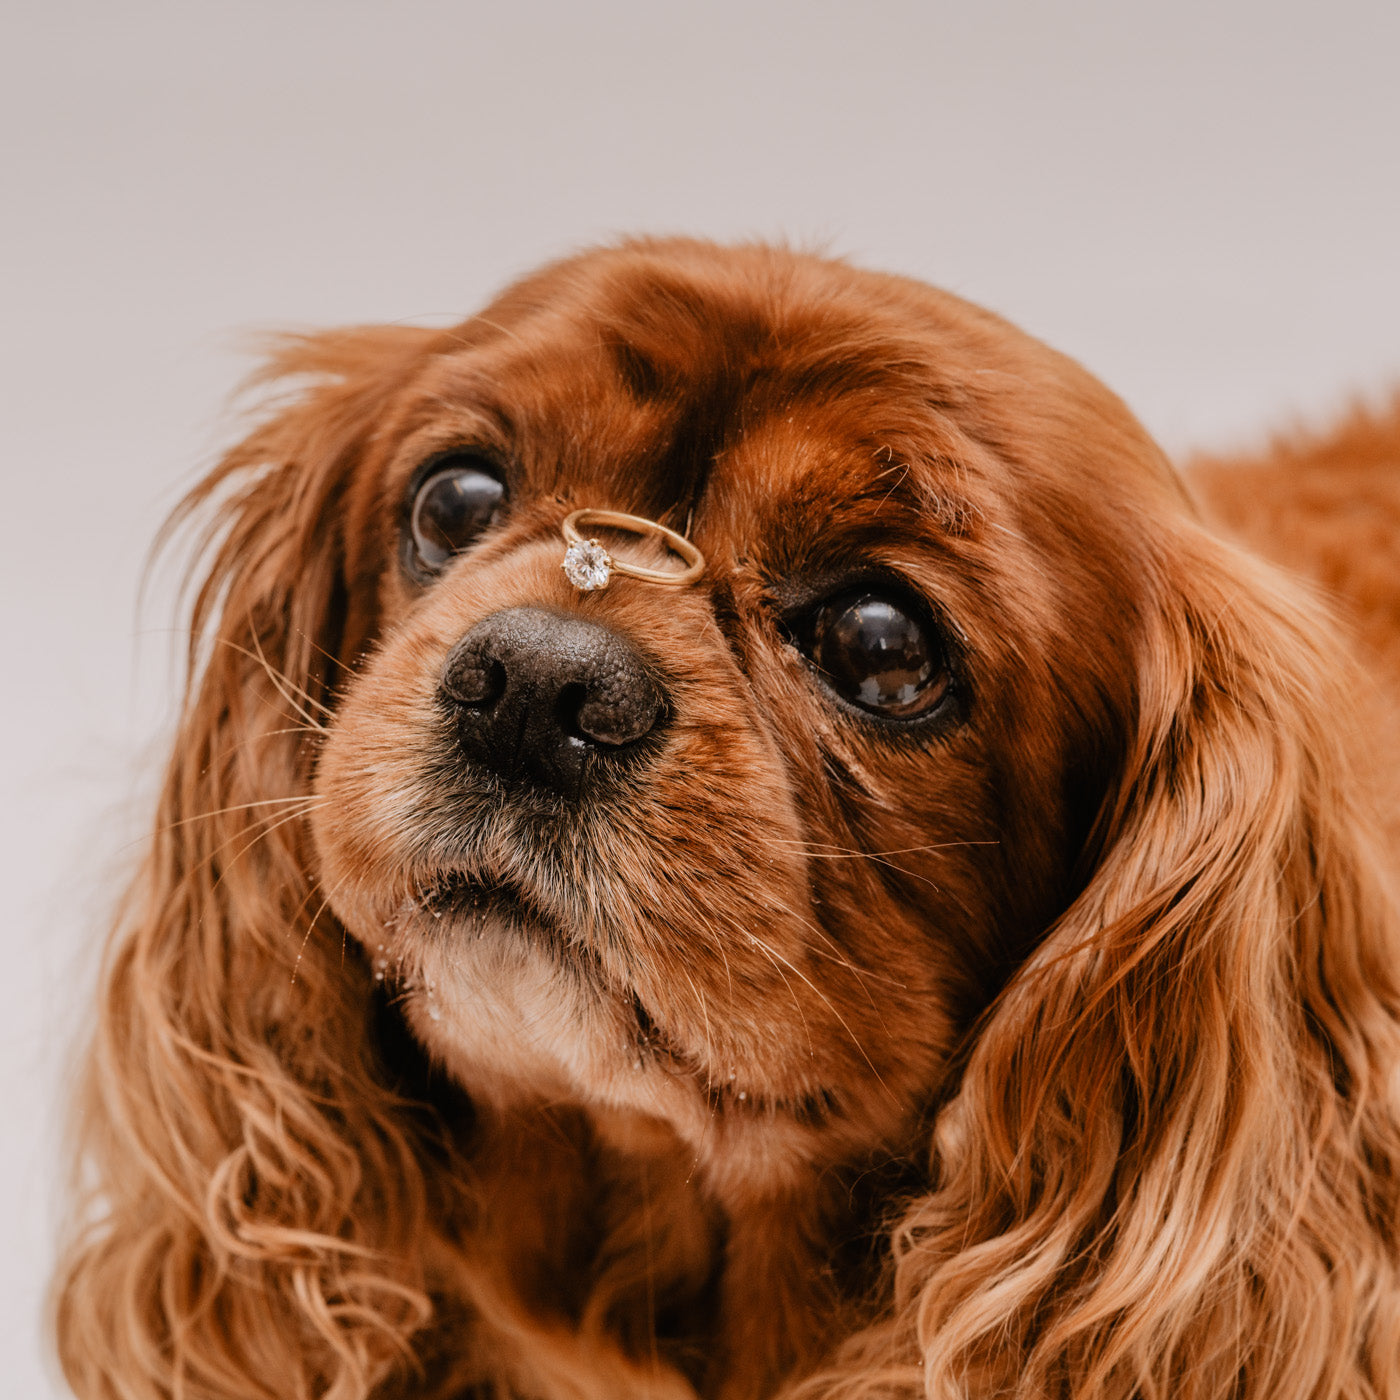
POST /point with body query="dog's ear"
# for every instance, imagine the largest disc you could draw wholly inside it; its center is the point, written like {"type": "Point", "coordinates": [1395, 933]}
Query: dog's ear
{"type": "Point", "coordinates": [256, 1179]}
{"type": "Point", "coordinates": [1172, 1162]}
{"type": "Point", "coordinates": [279, 574]}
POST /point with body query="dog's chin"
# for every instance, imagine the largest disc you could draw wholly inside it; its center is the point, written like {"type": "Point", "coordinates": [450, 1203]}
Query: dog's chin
{"type": "Point", "coordinates": [517, 1010]}
{"type": "Point", "coordinates": [521, 1015]}
{"type": "Point", "coordinates": [508, 1022]}
{"type": "Point", "coordinates": [508, 1002]}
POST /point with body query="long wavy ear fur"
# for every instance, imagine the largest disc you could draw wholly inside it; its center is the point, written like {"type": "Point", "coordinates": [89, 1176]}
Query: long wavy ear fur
{"type": "Point", "coordinates": [1173, 1166]}
{"type": "Point", "coordinates": [256, 1185]}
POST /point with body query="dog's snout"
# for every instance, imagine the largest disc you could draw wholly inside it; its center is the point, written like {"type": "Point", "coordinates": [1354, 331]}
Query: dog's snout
{"type": "Point", "coordinates": [548, 697]}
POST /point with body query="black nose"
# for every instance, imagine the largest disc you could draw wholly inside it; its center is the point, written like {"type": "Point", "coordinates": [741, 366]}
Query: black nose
{"type": "Point", "coordinates": [548, 697]}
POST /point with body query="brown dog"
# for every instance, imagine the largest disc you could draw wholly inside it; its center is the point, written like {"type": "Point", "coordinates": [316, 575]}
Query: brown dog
{"type": "Point", "coordinates": [948, 948]}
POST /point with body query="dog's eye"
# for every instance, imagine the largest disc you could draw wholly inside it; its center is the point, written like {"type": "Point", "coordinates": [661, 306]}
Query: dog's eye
{"type": "Point", "coordinates": [452, 507]}
{"type": "Point", "coordinates": [877, 653]}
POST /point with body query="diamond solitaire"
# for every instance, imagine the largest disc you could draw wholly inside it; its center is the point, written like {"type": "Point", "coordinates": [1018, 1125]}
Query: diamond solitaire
{"type": "Point", "coordinates": [587, 565]}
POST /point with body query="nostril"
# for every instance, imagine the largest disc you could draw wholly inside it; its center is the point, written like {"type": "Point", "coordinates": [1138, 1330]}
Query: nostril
{"type": "Point", "coordinates": [614, 715]}
{"type": "Point", "coordinates": [474, 679]}
{"type": "Point", "coordinates": [567, 709]}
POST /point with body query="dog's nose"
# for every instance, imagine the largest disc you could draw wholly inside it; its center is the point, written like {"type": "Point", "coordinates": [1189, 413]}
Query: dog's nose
{"type": "Point", "coordinates": [548, 697]}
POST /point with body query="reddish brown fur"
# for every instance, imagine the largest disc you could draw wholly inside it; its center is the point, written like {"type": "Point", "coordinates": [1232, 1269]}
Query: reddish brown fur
{"type": "Point", "coordinates": [1048, 1052]}
{"type": "Point", "coordinates": [1327, 507]}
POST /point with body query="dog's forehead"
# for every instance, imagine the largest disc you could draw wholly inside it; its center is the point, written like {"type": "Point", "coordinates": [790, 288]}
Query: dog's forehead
{"type": "Point", "coordinates": [657, 384]}
{"type": "Point", "coordinates": [784, 404]}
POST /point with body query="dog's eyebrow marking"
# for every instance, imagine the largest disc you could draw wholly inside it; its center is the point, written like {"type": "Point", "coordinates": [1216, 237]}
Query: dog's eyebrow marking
{"type": "Point", "coordinates": [639, 372]}
{"type": "Point", "coordinates": [702, 417]}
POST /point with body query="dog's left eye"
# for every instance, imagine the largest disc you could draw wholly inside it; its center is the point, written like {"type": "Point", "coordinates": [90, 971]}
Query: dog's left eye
{"type": "Point", "coordinates": [451, 508]}
{"type": "Point", "coordinates": [877, 652]}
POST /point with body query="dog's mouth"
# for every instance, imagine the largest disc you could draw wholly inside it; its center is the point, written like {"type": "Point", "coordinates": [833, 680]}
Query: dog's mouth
{"type": "Point", "coordinates": [467, 908]}
{"type": "Point", "coordinates": [470, 905]}
{"type": "Point", "coordinates": [461, 908]}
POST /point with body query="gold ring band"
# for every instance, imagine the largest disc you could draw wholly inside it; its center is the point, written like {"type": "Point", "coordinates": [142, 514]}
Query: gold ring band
{"type": "Point", "coordinates": [589, 567]}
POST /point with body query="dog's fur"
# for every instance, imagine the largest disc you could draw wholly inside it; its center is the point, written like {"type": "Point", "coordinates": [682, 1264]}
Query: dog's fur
{"type": "Point", "coordinates": [1044, 1047]}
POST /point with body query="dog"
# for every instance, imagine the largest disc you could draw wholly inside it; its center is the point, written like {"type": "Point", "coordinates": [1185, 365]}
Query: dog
{"type": "Point", "coordinates": [739, 830]}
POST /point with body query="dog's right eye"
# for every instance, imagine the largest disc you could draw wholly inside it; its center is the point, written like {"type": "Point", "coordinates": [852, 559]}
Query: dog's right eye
{"type": "Point", "coordinates": [455, 503]}
{"type": "Point", "coordinates": [879, 652]}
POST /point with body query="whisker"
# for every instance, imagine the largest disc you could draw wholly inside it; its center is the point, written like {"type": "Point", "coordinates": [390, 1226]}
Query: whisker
{"type": "Point", "coordinates": [728, 971]}
{"type": "Point", "coordinates": [261, 836]}
{"type": "Point", "coordinates": [740, 930]}
{"type": "Point", "coordinates": [284, 685]}
{"type": "Point", "coordinates": [830, 851]}
{"type": "Point", "coordinates": [274, 673]}
{"type": "Point", "coordinates": [279, 678]}
{"type": "Point", "coordinates": [248, 739]}
{"type": "Point", "coordinates": [806, 1027]}
{"type": "Point", "coordinates": [495, 326]}
{"type": "Point", "coordinates": [860, 973]}
{"type": "Point", "coordinates": [275, 733]}
{"type": "Point", "coordinates": [812, 851]}
{"type": "Point", "coordinates": [236, 807]}
{"type": "Point", "coordinates": [302, 903]}
{"type": "Point", "coordinates": [844, 1024]}
{"type": "Point", "coordinates": [219, 812]}
{"type": "Point", "coordinates": [329, 655]}
{"type": "Point", "coordinates": [311, 927]}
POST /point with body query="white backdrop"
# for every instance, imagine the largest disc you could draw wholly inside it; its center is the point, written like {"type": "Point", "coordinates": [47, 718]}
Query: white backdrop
{"type": "Point", "coordinates": [1201, 203]}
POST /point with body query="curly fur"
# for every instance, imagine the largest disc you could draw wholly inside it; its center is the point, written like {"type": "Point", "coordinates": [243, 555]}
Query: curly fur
{"type": "Point", "coordinates": [1051, 1054]}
